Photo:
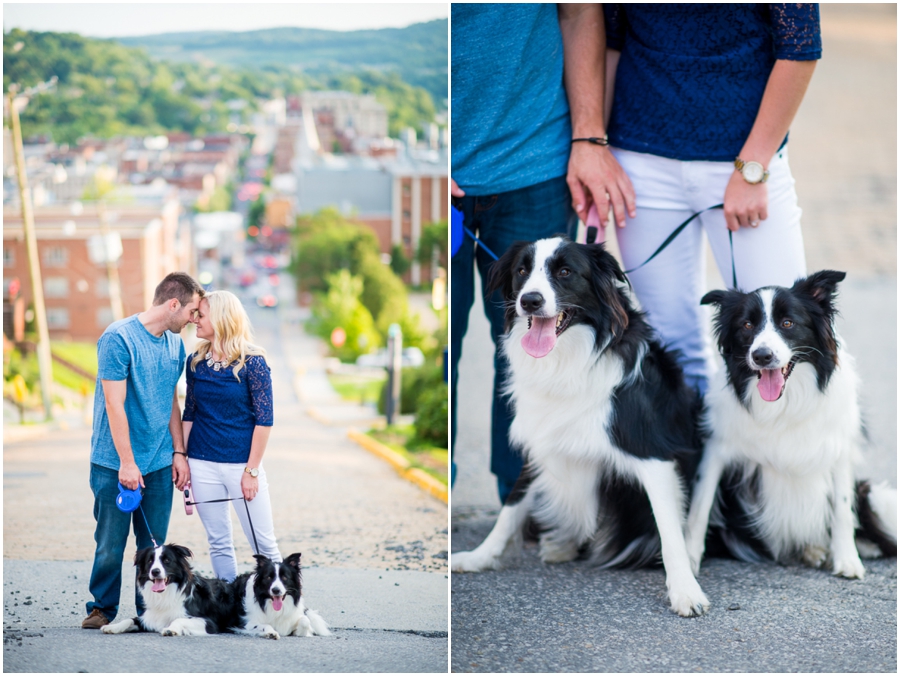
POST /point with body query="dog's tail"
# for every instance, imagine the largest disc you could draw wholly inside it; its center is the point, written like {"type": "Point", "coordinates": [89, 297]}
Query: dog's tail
{"type": "Point", "coordinates": [876, 507]}
{"type": "Point", "coordinates": [319, 626]}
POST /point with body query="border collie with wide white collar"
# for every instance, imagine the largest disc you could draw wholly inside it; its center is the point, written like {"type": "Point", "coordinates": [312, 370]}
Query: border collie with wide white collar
{"type": "Point", "coordinates": [785, 436]}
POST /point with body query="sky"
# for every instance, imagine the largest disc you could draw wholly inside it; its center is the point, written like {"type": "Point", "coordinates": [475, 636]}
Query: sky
{"type": "Point", "coordinates": [123, 19]}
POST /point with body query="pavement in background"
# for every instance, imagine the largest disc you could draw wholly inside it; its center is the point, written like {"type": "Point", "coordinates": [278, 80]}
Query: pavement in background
{"type": "Point", "coordinates": [535, 617]}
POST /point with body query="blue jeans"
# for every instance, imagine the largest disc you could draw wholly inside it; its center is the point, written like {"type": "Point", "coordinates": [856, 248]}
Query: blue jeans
{"type": "Point", "coordinates": [531, 213]}
{"type": "Point", "coordinates": [113, 525]}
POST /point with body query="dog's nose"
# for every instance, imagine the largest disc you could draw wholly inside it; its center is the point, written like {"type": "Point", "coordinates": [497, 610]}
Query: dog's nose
{"type": "Point", "coordinates": [532, 301]}
{"type": "Point", "coordinates": [155, 572]}
{"type": "Point", "coordinates": [762, 356]}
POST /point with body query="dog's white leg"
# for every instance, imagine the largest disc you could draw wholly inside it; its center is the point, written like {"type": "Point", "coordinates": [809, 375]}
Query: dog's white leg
{"type": "Point", "coordinates": [319, 625]}
{"type": "Point", "coordinates": [186, 626]}
{"type": "Point", "coordinates": [506, 534]}
{"type": "Point", "coordinates": [302, 628]}
{"type": "Point", "coordinates": [120, 627]}
{"type": "Point", "coordinates": [707, 482]}
{"type": "Point", "coordinates": [844, 556]}
{"type": "Point", "coordinates": [262, 630]}
{"type": "Point", "coordinates": [660, 480]}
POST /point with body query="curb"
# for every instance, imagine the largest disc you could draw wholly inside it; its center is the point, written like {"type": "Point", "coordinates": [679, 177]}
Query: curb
{"type": "Point", "coordinates": [412, 474]}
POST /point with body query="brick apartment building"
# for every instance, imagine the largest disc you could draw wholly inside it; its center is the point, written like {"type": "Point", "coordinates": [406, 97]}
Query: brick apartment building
{"type": "Point", "coordinates": [76, 290]}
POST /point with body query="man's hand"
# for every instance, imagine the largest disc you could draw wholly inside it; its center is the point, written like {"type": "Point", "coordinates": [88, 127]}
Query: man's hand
{"type": "Point", "coordinates": [745, 204]}
{"type": "Point", "coordinates": [595, 176]}
{"type": "Point", "coordinates": [249, 486]}
{"type": "Point", "coordinates": [455, 190]}
{"type": "Point", "coordinates": [130, 476]}
{"type": "Point", "coordinates": [181, 471]}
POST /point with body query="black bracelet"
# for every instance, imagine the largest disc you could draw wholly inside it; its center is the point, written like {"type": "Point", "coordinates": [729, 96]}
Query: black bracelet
{"type": "Point", "coordinates": [596, 140]}
{"type": "Point", "coordinates": [179, 453]}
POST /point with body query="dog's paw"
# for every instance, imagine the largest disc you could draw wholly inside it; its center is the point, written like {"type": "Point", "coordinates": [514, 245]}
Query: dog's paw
{"type": "Point", "coordinates": [553, 551]}
{"type": "Point", "coordinates": [849, 566]}
{"type": "Point", "coordinates": [814, 556]}
{"type": "Point", "coordinates": [472, 562]}
{"type": "Point", "coordinates": [689, 601]}
{"type": "Point", "coordinates": [169, 631]}
{"type": "Point", "coordinates": [271, 633]}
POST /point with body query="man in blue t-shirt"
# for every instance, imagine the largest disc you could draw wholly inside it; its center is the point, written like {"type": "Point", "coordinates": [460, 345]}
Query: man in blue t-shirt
{"type": "Point", "coordinates": [137, 438]}
{"type": "Point", "coordinates": [525, 82]}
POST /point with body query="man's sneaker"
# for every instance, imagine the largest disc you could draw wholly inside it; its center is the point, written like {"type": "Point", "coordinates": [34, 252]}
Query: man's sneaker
{"type": "Point", "coordinates": [95, 620]}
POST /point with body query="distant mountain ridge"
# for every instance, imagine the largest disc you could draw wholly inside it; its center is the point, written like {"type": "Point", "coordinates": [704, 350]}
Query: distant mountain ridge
{"type": "Point", "coordinates": [418, 53]}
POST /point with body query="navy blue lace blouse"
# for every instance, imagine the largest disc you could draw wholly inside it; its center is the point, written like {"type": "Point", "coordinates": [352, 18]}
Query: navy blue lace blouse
{"type": "Point", "coordinates": [691, 76]}
{"type": "Point", "coordinates": [225, 411]}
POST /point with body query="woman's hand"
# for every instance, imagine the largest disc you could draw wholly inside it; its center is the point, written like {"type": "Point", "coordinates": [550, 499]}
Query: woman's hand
{"type": "Point", "coordinates": [745, 204]}
{"type": "Point", "coordinates": [249, 486]}
{"type": "Point", "coordinates": [181, 471]}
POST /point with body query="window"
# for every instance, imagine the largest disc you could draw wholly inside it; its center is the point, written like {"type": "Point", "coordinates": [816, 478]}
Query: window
{"type": "Point", "coordinates": [9, 257]}
{"type": "Point", "coordinates": [56, 287]}
{"type": "Point", "coordinates": [104, 317]}
{"type": "Point", "coordinates": [57, 318]}
{"type": "Point", "coordinates": [56, 257]}
{"type": "Point", "coordinates": [406, 215]}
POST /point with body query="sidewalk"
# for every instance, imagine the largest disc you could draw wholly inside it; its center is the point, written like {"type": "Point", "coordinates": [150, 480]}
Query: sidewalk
{"type": "Point", "coordinates": [374, 547]}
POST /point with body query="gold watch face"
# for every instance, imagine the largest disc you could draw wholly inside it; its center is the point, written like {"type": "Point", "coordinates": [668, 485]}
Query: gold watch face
{"type": "Point", "coordinates": [752, 172]}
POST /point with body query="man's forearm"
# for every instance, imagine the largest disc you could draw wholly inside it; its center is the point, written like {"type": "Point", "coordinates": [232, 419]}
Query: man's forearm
{"type": "Point", "coordinates": [121, 433]}
{"type": "Point", "coordinates": [584, 52]}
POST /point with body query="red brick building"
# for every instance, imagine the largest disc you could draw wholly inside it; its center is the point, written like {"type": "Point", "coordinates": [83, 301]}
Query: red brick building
{"type": "Point", "coordinates": [76, 289]}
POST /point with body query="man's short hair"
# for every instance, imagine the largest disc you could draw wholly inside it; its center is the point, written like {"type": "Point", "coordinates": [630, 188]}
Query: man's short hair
{"type": "Point", "coordinates": [178, 285]}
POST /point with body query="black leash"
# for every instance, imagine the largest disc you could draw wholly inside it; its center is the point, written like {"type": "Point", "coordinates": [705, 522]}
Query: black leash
{"type": "Point", "coordinates": [147, 523]}
{"type": "Point", "coordinates": [252, 530]}
{"type": "Point", "coordinates": [677, 231]}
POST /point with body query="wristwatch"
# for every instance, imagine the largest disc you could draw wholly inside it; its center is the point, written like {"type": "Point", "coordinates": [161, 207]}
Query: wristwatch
{"type": "Point", "coordinates": [753, 172]}
{"type": "Point", "coordinates": [252, 472]}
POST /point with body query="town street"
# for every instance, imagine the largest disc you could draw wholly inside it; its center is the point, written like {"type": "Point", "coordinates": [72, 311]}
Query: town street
{"type": "Point", "coordinates": [374, 546]}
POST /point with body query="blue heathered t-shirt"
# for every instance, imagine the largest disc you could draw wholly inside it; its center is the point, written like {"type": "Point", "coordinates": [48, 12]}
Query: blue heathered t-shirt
{"type": "Point", "coordinates": [151, 367]}
{"type": "Point", "coordinates": [691, 76]}
{"type": "Point", "coordinates": [225, 411]}
{"type": "Point", "coordinates": [510, 115]}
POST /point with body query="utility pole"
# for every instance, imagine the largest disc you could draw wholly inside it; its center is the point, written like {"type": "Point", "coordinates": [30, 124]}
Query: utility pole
{"type": "Point", "coordinates": [34, 265]}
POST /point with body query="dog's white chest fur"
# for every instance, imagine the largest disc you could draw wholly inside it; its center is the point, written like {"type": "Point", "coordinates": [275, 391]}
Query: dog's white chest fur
{"type": "Point", "coordinates": [798, 443]}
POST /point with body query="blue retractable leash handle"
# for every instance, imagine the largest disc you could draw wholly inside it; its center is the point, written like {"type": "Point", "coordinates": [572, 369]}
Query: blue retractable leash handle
{"type": "Point", "coordinates": [129, 500]}
{"type": "Point", "coordinates": [458, 231]}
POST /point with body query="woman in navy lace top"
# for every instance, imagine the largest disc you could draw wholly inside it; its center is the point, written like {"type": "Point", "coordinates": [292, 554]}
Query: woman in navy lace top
{"type": "Point", "coordinates": [703, 96]}
{"type": "Point", "coordinates": [227, 419]}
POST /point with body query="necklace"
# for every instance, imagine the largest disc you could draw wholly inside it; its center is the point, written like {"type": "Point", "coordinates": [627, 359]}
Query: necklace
{"type": "Point", "coordinates": [215, 365]}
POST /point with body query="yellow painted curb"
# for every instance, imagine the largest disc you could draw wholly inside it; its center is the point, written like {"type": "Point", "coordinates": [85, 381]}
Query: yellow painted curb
{"type": "Point", "coordinates": [412, 474]}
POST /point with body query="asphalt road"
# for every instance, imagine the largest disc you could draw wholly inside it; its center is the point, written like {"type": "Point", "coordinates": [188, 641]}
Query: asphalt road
{"type": "Point", "coordinates": [553, 618]}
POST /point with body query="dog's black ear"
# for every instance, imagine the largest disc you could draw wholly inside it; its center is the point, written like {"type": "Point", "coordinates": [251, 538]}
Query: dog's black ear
{"type": "Point", "coordinates": [293, 560]}
{"type": "Point", "coordinates": [821, 286]}
{"type": "Point", "coordinates": [604, 270]}
{"type": "Point", "coordinates": [260, 559]}
{"type": "Point", "coordinates": [183, 551]}
{"type": "Point", "coordinates": [501, 273]}
{"type": "Point", "coordinates": [141, 554]}
{"type": "Point", "coordinates": [714, 298]}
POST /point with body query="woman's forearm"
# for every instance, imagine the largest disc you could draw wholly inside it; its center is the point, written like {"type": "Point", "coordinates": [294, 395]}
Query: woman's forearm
{"type": "Point", "coordinates": [258, 445]}
{"type": "Point", "coordinates": [784, 92]}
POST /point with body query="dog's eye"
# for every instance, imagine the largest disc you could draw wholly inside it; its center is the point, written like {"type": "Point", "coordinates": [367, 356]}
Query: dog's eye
{"type": "Point", "coordinates": [786, 324]}
{"type": "Point", "coordinates": [522, 272]}
{"type": "Point", "coordinates": [563, 272]}
{"type": "Point", "coordinates": [748, 326]}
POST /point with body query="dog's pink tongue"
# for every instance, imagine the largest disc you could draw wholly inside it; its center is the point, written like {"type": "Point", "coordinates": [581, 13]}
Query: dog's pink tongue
{"type": "Point", "coordinates": [276, 603]}
{"type": "Point", "coordinates": [159, 585]}
{"type": "Point", "coordinates": [541, 337]}
{"type": "Point", "coordinates": [771, 383]}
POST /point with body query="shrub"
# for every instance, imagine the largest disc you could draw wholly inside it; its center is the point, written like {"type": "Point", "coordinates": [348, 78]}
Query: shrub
{"type": "Point", "coordinates": [340, 307]}
{"type": "Point", "coordinates": [431, 417]}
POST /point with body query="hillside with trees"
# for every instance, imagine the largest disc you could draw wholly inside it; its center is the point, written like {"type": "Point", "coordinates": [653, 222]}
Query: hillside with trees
{"type": "Point", "coordinates": [107, 89]}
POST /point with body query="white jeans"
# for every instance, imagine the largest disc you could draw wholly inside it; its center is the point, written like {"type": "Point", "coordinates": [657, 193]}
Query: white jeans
{"type": "Point", "coordinates": [670, 287]}
{"type": "Point", "coordinates": [218, 480]}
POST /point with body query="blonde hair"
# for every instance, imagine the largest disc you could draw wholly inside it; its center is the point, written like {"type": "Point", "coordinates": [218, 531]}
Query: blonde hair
{"type": "Point", "coordinates": [232, 329]}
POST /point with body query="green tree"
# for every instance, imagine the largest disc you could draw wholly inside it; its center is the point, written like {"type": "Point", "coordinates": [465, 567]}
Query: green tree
{"type": "Point", "coordinates": [340, 308]}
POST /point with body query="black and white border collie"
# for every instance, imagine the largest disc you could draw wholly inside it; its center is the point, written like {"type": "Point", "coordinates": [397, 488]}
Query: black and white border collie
{"type": "Point", "coordinates": [607, 425]}
{"type": "Point", "coordinates": [785, 435]}
{"type": "Point", "coordinates": [178, 601]}
{"type": "Point", "coordinates": [271, 601]}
